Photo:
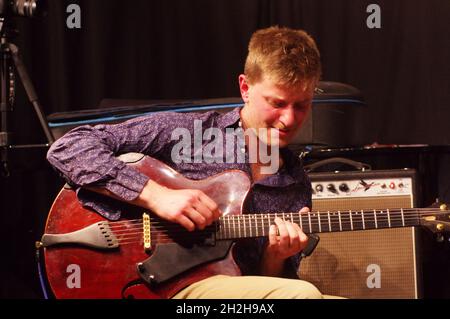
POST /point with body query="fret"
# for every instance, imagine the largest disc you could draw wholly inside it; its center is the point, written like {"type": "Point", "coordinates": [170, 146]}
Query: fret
{"type": "Point", "coordinates": [329, 221]}
{"type": "Point", "coordinates": [357, 220]}
{"type": "Point", "coordinates": [226, 229]}
{"type": "Point", "coordinates": [318, 219]}
{"type": "Point", "coordinates": [259, 226]}
{"type": "Point", "coordinates": [262, 224]}
{"type": "Point", "coordinates": [389, 218]}
{"type": "Point", "coordinates": [334, 218]}
{"type": "Point", "coordinates": [375, 218]}
{"type": "Point", "coordinates": [292, 217]}
{"type": "Point", "coordinates": [362, 217]}
{"type": "Point", "coordinates": [351, 219]}
{"type": "Point", "coordinates": [340, 221]}
{"type": "Point", "coordinates": [403, 217]}
{"type": "Point", "coordinates": [300, 217]}
{"type": "Point", "coordinates": [250, 224]}
{"type": "Point", "coordinates": [383, 220]}
{"type": "Point", "coordinates": [223, 228]}
{"type": "Point", "coordinates": [239, 224]}
{"type": "Point", "coordinates": [245, 228]}
{"type": "Point", "coordinates": [255, 220]}
{"type": "Point", "coordinates": [309, 220]}
{"type": "Point", "coordinates": [276, 215]}
{"type": "Point", "coordinates": [259, 231]}
{"type": "Point", "coordinates": [398, 218]}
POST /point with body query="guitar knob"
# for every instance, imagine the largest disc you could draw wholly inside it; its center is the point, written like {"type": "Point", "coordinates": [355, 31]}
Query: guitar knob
{"type": "Point", "coordinates": [141, 267]}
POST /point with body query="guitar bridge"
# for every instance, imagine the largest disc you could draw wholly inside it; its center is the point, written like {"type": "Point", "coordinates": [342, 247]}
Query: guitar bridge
{"type": "Point", "coordinates": [98, 235]}
{"type": "Point", "coordinates": [146, 231]}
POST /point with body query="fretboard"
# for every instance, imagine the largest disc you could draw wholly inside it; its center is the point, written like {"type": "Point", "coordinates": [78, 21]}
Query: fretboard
{"type": "Point", "coordinates": [257, 225]}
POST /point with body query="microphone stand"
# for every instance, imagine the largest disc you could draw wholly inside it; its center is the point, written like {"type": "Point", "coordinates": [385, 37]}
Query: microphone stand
{"type": "Point", "coordinates": [9, 60]}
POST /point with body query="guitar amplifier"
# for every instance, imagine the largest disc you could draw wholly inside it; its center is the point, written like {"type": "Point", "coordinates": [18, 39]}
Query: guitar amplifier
{"type": "Point", "coordinates": [372, 263]}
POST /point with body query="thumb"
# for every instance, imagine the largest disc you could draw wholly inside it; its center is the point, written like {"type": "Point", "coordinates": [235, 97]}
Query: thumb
{"type": "Point", "coordinates": [304, 210]}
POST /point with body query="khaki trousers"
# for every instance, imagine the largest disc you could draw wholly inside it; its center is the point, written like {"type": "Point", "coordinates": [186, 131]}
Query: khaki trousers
{"type": "Point", "coordinates": [251, 287]}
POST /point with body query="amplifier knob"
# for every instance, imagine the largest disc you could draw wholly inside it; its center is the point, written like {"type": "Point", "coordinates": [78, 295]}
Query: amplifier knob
{"type": "Point", "coordinates": [332, 188]}
{"type": "Point", "coordinates": [319, 188]}
{"type": "Point", "coordinates": [344, 188]}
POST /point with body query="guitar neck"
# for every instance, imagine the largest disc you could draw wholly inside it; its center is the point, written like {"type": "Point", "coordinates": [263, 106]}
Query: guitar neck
{"type": "Point", "coordinates": [257, 225]}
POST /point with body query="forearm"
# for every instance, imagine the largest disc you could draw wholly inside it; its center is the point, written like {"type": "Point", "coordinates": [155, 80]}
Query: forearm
{"type": "Point", "coordinates": [147, 198]}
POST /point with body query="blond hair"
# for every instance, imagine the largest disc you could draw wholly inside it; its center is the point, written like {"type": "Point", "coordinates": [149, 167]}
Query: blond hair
{"type": "Point", "coordinates": [284, 55]}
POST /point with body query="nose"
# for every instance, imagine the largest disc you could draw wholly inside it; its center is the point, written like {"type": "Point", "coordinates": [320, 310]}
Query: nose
{"type": "Point", "coordinates": [288, 117]}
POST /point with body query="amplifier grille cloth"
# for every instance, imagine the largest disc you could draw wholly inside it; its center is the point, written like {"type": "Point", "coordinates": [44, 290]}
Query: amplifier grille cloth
{"type": "Point", "coordinates": [341, 263]}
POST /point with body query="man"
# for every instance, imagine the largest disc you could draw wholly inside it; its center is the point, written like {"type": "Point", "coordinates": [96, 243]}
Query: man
{"type": "Point", "coordinates": [281, 72]}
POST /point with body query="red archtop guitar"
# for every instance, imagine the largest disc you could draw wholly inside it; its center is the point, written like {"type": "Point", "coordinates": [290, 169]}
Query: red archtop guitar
{"type": "Point", "coordinates": [142, 256]}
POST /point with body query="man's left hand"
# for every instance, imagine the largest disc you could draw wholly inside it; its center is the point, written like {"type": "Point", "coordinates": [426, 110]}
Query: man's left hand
{"type": "Point", "coordinates": [286, 238]}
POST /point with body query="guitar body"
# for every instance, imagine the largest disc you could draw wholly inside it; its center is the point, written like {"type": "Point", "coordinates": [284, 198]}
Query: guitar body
{"type": "Point", "coordinates": [76, 270]}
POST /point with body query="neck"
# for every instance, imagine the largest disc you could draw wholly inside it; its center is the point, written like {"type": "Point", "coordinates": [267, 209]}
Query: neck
{"type": "Point", "coordinates": [257, 225]}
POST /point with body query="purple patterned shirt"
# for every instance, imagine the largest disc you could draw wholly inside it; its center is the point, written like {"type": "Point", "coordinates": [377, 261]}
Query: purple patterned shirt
{"type": "Point", "coordinates": [86, 156]}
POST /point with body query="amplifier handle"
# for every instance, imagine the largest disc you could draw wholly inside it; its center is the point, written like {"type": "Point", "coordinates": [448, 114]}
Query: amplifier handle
{"type": "Point", "coordinates": [358, 165]}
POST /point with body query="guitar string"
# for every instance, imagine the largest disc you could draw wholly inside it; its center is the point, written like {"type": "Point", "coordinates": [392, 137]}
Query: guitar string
{"type": "Point", "coordinates": [128, 233]}
{"type": "Point", "coordinates": [406, 211]}
{"type": "Point", "coordinates": [314, 223]}
{"type": "Point", "coordinates": [185, 234]}
{"type": "Point", "coordinates": [357, 224]}
{"type": "Point", "coordinates": [345, 217]}
{"type": "Point", "coordinates": [127, 237]}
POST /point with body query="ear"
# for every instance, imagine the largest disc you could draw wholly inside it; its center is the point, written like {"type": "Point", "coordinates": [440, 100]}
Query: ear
{"type": "Point", "coordinates": [243, 86]}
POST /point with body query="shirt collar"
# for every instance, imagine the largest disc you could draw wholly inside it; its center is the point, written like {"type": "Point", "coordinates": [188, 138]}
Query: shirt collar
{"type": "Point", "coordinates": [287, 174]}
{"type": "Point", "coordinates": [230, 118]}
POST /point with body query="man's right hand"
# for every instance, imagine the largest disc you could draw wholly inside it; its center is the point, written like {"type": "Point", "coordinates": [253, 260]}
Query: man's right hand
{"type": "Point", "coordinates": [190, 208]}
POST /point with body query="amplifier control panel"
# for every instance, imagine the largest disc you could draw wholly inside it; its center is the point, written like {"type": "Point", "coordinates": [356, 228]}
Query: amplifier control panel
{"type": "Point", "coordinates": [364, 187]}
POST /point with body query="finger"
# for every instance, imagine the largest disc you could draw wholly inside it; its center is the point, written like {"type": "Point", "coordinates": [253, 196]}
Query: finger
{"type": "Point", "coordinates": [282, 232]}
{"type": "Point", "coordinates": [304, 210]}
{"type": "Point", "coordinates": [273, 235]}
{"type": "Point", "coordinates": [212, 205]}
{"type": "Point", "coordinates": [302, 236]}
{"type": "Point", "coordinates": [196, 217]}
{"type": "Point", "coordinates": [204, 211]}
{"type": "Point", "coordinates": [300, 240]}
{"type": "Point", "coordinates": [186, 223]}
{"type": "Point", "coordinates": [294, 239]}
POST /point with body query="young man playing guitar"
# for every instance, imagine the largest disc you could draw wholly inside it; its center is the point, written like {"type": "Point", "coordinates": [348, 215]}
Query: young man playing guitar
{"type": "Point", "coordinates": [277, 87]}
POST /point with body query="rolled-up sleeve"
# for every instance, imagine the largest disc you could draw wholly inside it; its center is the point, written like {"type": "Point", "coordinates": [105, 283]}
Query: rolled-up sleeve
{"type": "Point", "coordinates": [86, 156]}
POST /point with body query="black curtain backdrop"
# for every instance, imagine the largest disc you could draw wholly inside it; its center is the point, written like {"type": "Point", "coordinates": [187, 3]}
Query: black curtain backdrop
{"type": "Point", "coordinates": [178, 49]}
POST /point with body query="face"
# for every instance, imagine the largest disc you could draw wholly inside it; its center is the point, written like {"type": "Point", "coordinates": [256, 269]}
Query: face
{"type": "Point", "coordinates": [270, 106]}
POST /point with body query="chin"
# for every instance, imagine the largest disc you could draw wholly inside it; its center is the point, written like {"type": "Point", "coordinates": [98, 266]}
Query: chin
{"type": "Point", "coordinates": [280, 143]}
{"type": "Point", "coordinates": [283, 143]}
